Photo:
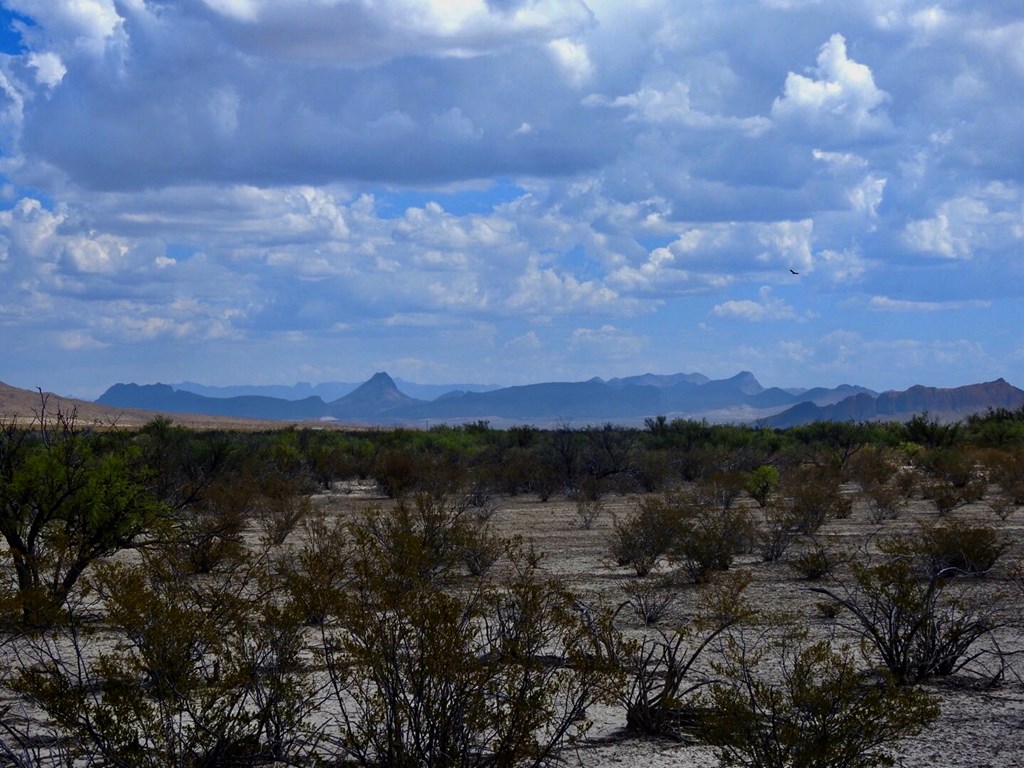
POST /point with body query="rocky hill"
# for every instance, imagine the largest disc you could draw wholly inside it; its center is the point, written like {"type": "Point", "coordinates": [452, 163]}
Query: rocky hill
{"type": "Point", "coordinates": [942, 404]}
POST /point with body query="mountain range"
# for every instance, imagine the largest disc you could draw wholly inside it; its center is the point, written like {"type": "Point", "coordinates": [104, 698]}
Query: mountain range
{"type": "Point", "coordinates": [629, 400]}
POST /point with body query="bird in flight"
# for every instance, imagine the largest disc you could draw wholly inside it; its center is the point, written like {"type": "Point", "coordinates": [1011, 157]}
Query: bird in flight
{"type": "Point", "coordinates": [793, 271]}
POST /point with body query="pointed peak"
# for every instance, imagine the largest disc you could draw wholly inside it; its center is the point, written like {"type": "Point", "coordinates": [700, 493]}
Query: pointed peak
{"type": "Point", "coordinates": [381, 379]}
{"type": "Point", "coordinates": [746, 382]}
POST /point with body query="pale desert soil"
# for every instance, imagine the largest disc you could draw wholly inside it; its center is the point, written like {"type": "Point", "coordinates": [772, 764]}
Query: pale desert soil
{"type": "Point", "coordinates": [980, 726]}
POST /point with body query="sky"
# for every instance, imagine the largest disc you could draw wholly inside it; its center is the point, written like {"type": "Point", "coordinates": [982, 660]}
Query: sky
{"type": "Point", "coordinates": [510, 191]}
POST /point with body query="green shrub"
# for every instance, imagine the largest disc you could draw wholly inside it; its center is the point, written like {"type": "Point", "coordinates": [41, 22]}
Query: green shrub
{"type": "Point", "coordinates": [812, 709]}
{"type": "Point", "coordinates": [709, 538]}
{"type": "Point", "coordinates": [817, 561]}
{"type": "Point", "coordinates": [662, 675]}
{"type": "Point", "coordinates": [202, 672]}
{"type": "Point", "coordinates": [647, 534]}
{"type": "Point", "coordinates": [918, 627]}
{"type": "Point", "coordinates": [499, 677]}
{"type": "Point", "coordinates": [650, 600]}
{"type": "Point", "coordinates": [762, 483]}
{"type": "Point", "coordinates": [956, 547]}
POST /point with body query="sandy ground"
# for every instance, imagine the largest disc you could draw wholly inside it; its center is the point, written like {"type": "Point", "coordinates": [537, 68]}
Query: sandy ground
{"type": "Point", "coordinates": [980, 726]}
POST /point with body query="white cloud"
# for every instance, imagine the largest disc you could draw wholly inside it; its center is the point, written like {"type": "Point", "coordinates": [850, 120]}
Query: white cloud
{"type": "Point", "coordinates": [841, 266]}
{"type": "Point", "coordinates": [985, 219]}
{"type": "Point", "coordinates": [672, 105]}
{"type": "Point", "coordinates": [786, 243]}
{"type": "Point", "coordinates": [50, 70]}
{"type": "Point", "coordinates": [610, 341]}
{"type": "Point", "coordinates": [550, 292]}
{"type": "Point", "coordinates": [573, 59]}
{"type": "Point", "coordinates": [85, 25]}
{"type": "Point", "coordinates": [885, 304]}
{"type": "Point", "coordinates": [839, 160]}
{"type": "Point", "coordinates": [867, 196]}
{"type": "Point", "coordinates": [527, 342]}
{"type": "Point", "coordinates": [241, 10]}
{"type": "Point", "coordinates": [767, 307]}
{"type": "Point", "coordinates": [841, 95]}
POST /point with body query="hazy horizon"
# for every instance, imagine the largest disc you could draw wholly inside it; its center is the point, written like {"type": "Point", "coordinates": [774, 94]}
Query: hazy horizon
{"type": "Point", "coordinates": [272, 191]}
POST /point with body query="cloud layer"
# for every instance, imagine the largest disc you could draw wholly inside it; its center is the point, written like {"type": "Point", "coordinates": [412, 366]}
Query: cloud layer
{"type": "Point", "coordinates": [510, 190]}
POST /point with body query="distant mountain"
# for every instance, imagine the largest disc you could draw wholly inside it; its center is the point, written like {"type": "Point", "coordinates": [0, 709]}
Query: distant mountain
{"type": "Point", "coordinates": [166, 399]}
{"type": "Point", "coordinates": [327, 391]}
{"type": "Point", "coordinates": [656, 380]}
{"type": "Point", "coordinates": [943, 404]}
{"type": "Point", "coordinates": [376, 397]}
{"type": "Point", "coordinates": [381, 401]}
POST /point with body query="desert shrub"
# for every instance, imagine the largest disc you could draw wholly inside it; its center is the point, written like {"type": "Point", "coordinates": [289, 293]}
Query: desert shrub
{"type": "Point", "coordinates": [918, 627]}
{"type": "Point", "coordinates": [817, 561]}
{"type": "Point", "coordinates": [762, 483]}
{"type": "Point", "coordinates": [1006, 469]}
{"type": "Point", "coordinates": [481, 549]}
{"type": "Point", "coordinates": [929, 432]}
{"type": "Point", "coordinates": [956, 547]}
{"type": "Point", "coordinates": [813, 708]}
{"type": "Point", "coordinates": [662, 678]}
{"type": "Point", "coordinates": [647, 534]}
{"type": "Point", "coordinates": [67, 499]}
{"type": "Point", "coordinates": [208, 534]}
{"type": "Point", "coordinates": [203, 672]}
{"type": "Point", "coordinates": [588, 511]}
{"type": "Point", "coordinates": [650, 600]}
{"type": "Point", "coordinates": [722, 487]}
{"type": "Point", "coordinates": [425, 677]}
{"type": "Point", "coordinates": [953, 478]}
{"type": "Point", "coordinates": [280, 505]}
{"type": "Point", "coordinates": [316, 575]}
{"type": "Point", "coordinates": [654, 470]}
{"type": "Point", "coordinates": [401, 472]}
{"type": "Point", "coordinates": [814, 495]}
{"type": "Point", "coordinates": [878, 473]}
{"type": "Point", "coordinates": [779, 529]}
{"type": "Point", "coordinates": [419, 539]}
{"type": "Point", "coordinates": [709, 537]}
{"type": "Point", "coordinates": [828, 609]}
{"type": "Point", "coordinates": [1002, 507]}
{"type": "Point", "coordinates": [480, 501]}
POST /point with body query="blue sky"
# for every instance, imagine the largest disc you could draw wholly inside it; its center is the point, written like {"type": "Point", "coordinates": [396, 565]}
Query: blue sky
{"type": "Point", "coordinates": [510, 191]}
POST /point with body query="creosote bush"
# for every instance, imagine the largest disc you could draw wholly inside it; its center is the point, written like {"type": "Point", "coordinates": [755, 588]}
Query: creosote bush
{"type": "Point", "coordinates": [646, 535]}
{"type": "Point", "coordinates": [918, 625]}
{"type": "Point", "coordinates": [817, 560]}
{"type": "Point", "coordinates": [955, 547]}
{"type": "Point", "coordinates": [421, 676]}
{"type": "Point", "coordinates": [204, 672]}
{"type": "Point", "coordinates": [662, 677]}
{"type": "Point", "coordinates": [812, 709]}
{"type": "Point", "coordinates": [650, 599]}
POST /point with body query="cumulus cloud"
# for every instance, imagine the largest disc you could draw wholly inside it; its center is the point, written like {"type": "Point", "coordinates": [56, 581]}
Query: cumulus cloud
{"type": "Point", "coordinates": [672, 105]}
{"type": "Point", "coordinates": [886, 304]}
{"type": "Point", "coordinates": [766, 307]}
{"type": "Point", "coordinates": [50, 70]}
{"type": "Point", "coordinates": [840, 97]}
{"type": "Point", "coordinates": [608, 340]}
{"type": "Point", "coordinates": [431, 177]}
{"type": "Point", "coordinates": [986, 219]}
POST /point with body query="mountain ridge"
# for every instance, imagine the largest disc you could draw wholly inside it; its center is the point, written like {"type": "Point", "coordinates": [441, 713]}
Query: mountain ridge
{"type": "Point", "coordinates": [943, 403]}
{"type": "Point", "coordinates": [629, 400]}
{"type": "Point", "coordinates": [380, 401]}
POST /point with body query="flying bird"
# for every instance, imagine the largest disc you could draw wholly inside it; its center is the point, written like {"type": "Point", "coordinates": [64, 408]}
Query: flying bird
{"type": "Point", "coordinates": [793, 271]}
